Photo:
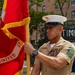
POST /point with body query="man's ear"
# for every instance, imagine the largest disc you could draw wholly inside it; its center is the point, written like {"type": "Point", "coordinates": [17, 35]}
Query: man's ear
{"type": "Point", "coordinates": [60, 29]}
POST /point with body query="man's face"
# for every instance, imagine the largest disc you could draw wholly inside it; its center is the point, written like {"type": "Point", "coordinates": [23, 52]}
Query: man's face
{"type": "Point", "coordinates": [53, 32]}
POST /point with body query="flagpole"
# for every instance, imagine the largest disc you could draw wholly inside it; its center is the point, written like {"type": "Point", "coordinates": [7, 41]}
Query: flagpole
{"type": "Point", "coordinates": [3, 10]}
{"type": "Point", "coordinates": [28, 64]}
{"type": "Point", "coordinates": [28, 56]}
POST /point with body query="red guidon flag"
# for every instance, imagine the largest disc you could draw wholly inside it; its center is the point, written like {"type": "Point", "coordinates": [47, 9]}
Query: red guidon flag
{"type": "Point", "coordinates": [15, 18]}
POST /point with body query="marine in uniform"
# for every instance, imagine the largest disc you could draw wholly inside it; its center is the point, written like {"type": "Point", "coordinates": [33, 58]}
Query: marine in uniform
{"type": "Point", "coordinates": [56, 56]}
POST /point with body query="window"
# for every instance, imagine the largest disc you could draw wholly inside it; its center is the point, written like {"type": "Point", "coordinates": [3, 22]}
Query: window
{"type": "Point", "coordinates": [32, 3]}
{"type": "Point", "coordinates": [43, 8]}
{"type": "Point", "coordinates": [72, 2]}
{"type": "Point", "coordinates": [73, 14]}
{"type": "Point", "coordinates": [56, 5]}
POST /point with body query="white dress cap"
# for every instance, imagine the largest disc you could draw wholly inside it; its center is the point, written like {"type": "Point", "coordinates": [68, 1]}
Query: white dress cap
{"type": "Point", "coordinates": [54, 18]}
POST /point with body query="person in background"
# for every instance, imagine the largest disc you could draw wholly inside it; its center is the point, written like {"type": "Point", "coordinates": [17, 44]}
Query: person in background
{"type": "Point", "coordinates": [57, 55]}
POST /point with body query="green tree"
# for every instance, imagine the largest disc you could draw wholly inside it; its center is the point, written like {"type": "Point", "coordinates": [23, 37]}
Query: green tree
{"type": "Point", "coordinates": [37, 2]}
{"type": "Point", "coordinates": [36, 19]}
{"type": "Point", "coordinates": [61, 4]}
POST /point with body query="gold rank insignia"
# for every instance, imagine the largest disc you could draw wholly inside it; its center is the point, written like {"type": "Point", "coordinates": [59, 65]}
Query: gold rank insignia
{"type": "Point", "coordinates": [70, 52]}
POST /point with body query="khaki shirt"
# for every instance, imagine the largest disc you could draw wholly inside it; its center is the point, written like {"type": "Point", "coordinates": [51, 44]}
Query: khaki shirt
{"type": "Point", "coordinates": [62, 48]}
